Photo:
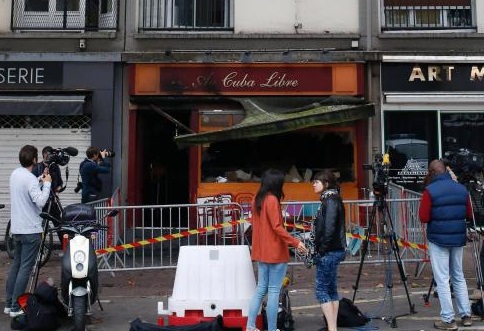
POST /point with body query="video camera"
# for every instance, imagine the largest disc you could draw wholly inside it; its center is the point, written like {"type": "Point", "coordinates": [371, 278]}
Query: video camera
{"type": "Point", "coordinates": [379, 168]}
{"type": "Point", "coordinates": [61, 156]}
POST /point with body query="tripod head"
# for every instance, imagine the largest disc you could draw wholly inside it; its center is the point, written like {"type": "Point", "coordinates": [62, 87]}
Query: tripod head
{"type": "Point", "coordinates": [380, 168]}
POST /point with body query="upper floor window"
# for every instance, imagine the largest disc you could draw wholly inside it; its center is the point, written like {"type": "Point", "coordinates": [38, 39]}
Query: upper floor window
{"type": "Point", "coordinates": [427, 14]}
{"type": "Point", "coordinates": [87, 15]}
{"type": "Point", "coordinates": [185, 14]}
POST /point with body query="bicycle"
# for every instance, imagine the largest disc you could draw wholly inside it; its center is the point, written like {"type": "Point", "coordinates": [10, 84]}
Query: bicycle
{"type": "Point", "coordinates": [48, 243]}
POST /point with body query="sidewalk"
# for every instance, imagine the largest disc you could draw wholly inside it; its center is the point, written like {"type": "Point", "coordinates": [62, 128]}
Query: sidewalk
{"type": "Point", "coordinates": [131, 294]}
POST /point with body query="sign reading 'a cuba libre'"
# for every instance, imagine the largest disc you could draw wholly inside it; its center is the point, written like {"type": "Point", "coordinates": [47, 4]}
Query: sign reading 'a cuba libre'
{"type": "Point", "coordinates": [427, 77]}
{"type": "Point", "coordinates": [243, 79]}
{"type": "Point", "coordinates": [15, 75]}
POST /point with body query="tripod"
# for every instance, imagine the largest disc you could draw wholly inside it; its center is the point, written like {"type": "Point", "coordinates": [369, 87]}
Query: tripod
{"type": "Point", "coordinates": [380, 205]}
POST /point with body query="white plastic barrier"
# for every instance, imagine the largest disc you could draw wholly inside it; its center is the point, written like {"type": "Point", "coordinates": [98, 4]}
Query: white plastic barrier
{"type": "Point", "coordinates": [212, 279]}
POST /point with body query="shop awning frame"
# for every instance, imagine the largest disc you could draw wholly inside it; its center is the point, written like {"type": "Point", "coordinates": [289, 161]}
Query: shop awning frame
{"type": "Point", "coordinates": [42, 104]}
{"type": "Point", "coordinates": [260, 122]}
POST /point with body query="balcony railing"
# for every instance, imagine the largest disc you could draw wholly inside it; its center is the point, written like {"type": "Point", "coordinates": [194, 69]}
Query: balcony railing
{"type": "Point", "coordinates": [186, 15]}
{"type": "Point", "coordinates": [54, 15]}
{"type": "Point", "coordinates": [425, 15]}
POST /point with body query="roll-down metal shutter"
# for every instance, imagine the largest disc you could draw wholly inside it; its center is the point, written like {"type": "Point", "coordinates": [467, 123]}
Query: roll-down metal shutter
{"type": "Point", "coordinates": [41, 131]}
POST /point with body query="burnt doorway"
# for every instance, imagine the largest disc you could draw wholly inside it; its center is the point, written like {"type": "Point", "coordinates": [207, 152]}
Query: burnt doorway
{"type": "Point", "coordinates": [164, 172]}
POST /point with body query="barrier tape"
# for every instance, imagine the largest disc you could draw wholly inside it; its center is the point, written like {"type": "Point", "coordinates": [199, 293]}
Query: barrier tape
{"type": "Point", "coordinates": [218, 226]}
{"type": "Point", "coordinates": [400, 242]}
{"type": "Point", "coordinates": [167, 237]}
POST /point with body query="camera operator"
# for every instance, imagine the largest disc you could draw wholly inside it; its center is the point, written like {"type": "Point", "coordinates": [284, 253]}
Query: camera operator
{"type": "Point", "coordinates": [43, 167]}
{"type": "Point", "coordinates": [94, 164]}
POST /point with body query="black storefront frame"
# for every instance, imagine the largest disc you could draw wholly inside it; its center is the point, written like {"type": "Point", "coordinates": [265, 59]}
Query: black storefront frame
{"type": "Point", "coordinates": [436, 85]}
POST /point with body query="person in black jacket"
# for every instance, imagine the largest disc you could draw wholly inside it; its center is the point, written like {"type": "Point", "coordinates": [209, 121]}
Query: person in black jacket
{"type": "Point", "coordinates": [330, 244]}
{"type": "Point", "coordinates": [94, 164]}
{"type": "Point", "coordinates": [51, 167]}
{"type": "Point", "coordinates": [46, 166]}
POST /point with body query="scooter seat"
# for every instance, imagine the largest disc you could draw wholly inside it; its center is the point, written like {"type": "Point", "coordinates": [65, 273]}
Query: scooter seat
{"type": "Point", "coordinates": [79, 212]}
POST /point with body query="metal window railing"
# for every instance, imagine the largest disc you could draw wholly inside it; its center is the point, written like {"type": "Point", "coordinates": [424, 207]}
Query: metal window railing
{"type": "Point", "coordinates": [449, 17]}
{"type": "Point", "coordinates": [185, 15]}
{"type": "Point", "coordinates": [65, 15]}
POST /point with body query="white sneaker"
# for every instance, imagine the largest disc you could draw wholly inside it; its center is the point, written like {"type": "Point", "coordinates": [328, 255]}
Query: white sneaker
{"type": "Point", "coordinates": [7, 310]}
{"type": "Point", "coordinates": [14, 313]}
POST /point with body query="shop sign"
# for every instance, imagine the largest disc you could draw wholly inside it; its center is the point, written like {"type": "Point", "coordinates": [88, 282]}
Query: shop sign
{"type": "Point", "coordinates": [246, 79]}
{"type": "Point", "coordinates": [411, 176]}
{"type": "Point", "coordinates": [427, 77]}
{"type": "Point", "coordinates": [19, 75]}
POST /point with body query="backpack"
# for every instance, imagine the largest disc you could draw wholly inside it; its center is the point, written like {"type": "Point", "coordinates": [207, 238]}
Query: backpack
{"type": "Point", "coordinates": [349, 315]}
{"type": "Point", "coordinates": [285, 320]}
{"type": "Point", "coordinates": [43, 309]}
{"type": "Point", "coordinates": [477, 308]}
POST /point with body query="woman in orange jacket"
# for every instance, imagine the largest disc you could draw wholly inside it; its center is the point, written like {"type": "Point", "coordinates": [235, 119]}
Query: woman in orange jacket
{"type": "Point", "coordinates": [270, 247]}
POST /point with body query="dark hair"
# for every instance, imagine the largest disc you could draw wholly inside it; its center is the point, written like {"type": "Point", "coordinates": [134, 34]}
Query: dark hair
{"type": "Point", "coordinates": [271, 182]}
{"type": "Point", "coordinates": [28, 155]}
{"type": "Point", "coordinates": [47, 149]}
{"type": "Point", "coordinates": [91, 152]}
{"type": "Point", "coordinates": [326, 176]}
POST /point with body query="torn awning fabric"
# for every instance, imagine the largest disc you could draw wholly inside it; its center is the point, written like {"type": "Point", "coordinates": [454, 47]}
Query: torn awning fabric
{"type": "Point", "coordinates": [259, 122]}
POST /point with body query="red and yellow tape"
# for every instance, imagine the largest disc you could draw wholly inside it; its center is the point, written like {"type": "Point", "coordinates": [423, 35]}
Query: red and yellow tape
{"type": "Point", "coordinates": [218, 226]}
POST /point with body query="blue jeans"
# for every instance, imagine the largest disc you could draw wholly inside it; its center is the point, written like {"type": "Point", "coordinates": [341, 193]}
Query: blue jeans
{"type": "Point", "coordinates": [270, 277]}
{"type": "Point", "coordinates": [326, 286]}
{"type": "Point", "coordinates": [447, 264]}
{"type": "Point", "coordinates": [26, 249]}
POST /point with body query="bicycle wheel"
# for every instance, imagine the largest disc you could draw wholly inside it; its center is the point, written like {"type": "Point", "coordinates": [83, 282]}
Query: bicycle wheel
{"type": "Point", "coordinates": [46, 248]}
{"type": "Point", "coordinates": [9, 242]}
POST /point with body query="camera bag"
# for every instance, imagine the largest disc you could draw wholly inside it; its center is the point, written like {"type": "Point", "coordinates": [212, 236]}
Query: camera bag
{"type": "Point", "coordinates": [349, 315]}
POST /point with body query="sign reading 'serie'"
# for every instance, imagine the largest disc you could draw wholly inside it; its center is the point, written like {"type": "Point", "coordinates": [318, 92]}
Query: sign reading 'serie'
{"type": "Point", "coordinates": [30, 74]}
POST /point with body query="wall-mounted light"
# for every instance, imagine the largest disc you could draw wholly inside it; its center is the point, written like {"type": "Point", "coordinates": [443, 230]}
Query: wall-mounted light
{"type": "Point", "coordinates": [355, 43]}
{"type": "Point", "coordinates": [246, 57]}
{"type": "Point", "coordinates": [208, 57]}
{"type": "Point", "coordinates": [286, 56]}
{"type": "Point", "coordinates": [82, 44]}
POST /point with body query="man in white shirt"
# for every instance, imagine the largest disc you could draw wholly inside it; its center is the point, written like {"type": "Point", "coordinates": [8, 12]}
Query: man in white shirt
{"type": "Point", "coordinates": [27, 197]}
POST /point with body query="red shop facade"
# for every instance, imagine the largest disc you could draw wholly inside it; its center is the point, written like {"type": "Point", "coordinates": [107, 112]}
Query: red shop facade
{"type": "Point", "coordinates": [199, 130]}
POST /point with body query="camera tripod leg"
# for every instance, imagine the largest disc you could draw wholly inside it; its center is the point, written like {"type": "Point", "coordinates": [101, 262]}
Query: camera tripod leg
{"type": "Point", "coordinates": [364, 249]}
{"type": "Point", "coordinates": [34, 277]}
{"type": "Point", "coordinates": [398, 259]}
{"type": "Point", "coordinates": [426, 297]}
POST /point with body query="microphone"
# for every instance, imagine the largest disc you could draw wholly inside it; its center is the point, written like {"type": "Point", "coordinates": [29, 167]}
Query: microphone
{"type": "Point", "coordinates": [71, 151]}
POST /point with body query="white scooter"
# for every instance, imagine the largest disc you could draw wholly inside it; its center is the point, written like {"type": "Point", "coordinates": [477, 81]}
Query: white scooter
{"type": "Point", "coordinates": [79, 271]}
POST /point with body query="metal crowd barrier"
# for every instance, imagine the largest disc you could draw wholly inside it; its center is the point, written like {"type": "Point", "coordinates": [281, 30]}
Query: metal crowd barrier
{"type": "Point", "coordinates": [149, 237]}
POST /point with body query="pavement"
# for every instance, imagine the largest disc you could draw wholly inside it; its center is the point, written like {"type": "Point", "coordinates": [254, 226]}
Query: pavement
{"type": "Point", "coordinates": [381, 295]}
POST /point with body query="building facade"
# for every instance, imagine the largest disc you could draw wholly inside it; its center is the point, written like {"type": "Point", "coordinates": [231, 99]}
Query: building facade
{"type": "Point", "coordinates": [203, 95]}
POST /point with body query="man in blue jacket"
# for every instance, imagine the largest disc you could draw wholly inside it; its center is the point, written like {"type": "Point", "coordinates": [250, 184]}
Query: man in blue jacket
{"type": "Point", "coordinates": [94, 164]}
{"type": "Point", "coordinates": [445, 207]}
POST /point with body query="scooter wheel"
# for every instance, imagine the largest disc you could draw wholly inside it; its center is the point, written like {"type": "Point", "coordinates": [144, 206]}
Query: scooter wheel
{"type": "Point", "coordinates": [79, 305]}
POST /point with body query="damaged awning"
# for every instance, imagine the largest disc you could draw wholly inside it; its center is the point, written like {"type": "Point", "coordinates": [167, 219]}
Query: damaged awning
{"type": "Point", "coordinates": [260, 122]}
{"type": "Point", "coordinates": [42, 104]}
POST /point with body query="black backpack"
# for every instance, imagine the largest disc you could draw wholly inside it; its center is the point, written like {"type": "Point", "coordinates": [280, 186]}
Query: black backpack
{"type": "Point", "coordinates": [349, 315]}
{"type": "Point", "coordinates": [44, 309]}
{"type": "Point", "coordinates": [285, 320]}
